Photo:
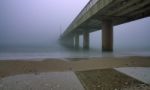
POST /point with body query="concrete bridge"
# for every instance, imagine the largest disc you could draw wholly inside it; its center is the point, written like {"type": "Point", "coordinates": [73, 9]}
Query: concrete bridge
{"type": "Point", "coordinates": [103, 14]}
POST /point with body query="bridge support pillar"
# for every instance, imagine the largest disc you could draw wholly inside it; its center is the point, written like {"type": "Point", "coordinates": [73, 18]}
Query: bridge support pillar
{"type": "Point", "coordinates": [86, 40]}
{"type": "Point", "coordinates": [77, 41]}
{"type": "Point", "coordinates": [107, 35]}
{"type": "Point", "coordinates": [68, 42]}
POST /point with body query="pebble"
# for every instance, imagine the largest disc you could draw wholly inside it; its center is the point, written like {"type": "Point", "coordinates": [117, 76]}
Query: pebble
{"type": "Point", "coordinates": [126, 83]}
{"type": "Point", "coordinates": [98, 86]}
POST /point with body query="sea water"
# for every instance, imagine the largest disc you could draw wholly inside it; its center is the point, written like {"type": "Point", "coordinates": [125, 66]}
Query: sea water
{"type": "Point", "coordinates": [58, 51]}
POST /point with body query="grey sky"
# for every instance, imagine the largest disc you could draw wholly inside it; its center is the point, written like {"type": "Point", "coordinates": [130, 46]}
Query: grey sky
{"type": "Point", "coordinates": [36, 21]}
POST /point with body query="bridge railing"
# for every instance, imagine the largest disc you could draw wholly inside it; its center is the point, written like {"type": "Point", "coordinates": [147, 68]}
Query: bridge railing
{"type": "Point", "coordinates": [82, 12]}
{"type": "Point", "coordinates": [86, 8]}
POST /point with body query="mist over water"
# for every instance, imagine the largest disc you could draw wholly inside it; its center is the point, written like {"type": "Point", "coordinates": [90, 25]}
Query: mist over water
{"type": "Point", "coordinates": [31, 28]}
{"type": "Point", "coordinates": [130, 39]}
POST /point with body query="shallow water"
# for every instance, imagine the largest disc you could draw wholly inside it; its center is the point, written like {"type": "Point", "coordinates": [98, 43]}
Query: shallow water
{"type": "Point", "coordinates": [28, 53]}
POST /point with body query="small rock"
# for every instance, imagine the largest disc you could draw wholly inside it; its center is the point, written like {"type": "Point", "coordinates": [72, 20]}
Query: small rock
{"type": "Point", "coordinates": [98, 86]}
{"type": "Point", "coordinates": [36, 73]}
{"type": "Point", "coordinates": [115, 89]}
{"type": "Point", "coordinates": [126, 83]}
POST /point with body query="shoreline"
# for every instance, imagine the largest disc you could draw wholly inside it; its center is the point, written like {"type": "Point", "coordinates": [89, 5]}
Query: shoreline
{"type": "Point", "coordinates": [12, 67]}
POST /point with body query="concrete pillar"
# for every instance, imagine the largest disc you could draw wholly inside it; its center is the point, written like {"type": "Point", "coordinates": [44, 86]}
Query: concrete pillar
{"type": "Point", "coordinates": [107, 35]}
{"type": "Point", "coordinates": [77, 41]}
{"type": "Point", "coordinates": [70, 42]}
{"type": "Point", "coordinates": [86, 40]}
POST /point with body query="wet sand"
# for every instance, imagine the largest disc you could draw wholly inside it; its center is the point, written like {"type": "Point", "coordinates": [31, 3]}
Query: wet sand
{"type": "Point", "coordinates": [90, 71]}
{"type": "Point", "coordinates": [42, 81]}
{"type": "Point", "coordinates": [109, 79]}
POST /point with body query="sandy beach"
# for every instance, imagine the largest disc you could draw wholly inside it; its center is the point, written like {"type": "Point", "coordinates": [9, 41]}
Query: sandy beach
{"type": "Point", "coordinates": [42, 81]}
{"type": "Point", "coordinates": [62, 69]}
{"type": "Point", "coordinates": [12, 67]}
{"type": "Point", "coordinates": [109, 79]}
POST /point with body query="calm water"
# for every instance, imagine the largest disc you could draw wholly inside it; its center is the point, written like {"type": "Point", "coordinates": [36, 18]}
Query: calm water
{"type": "Point", "coordinates": [57, 51]}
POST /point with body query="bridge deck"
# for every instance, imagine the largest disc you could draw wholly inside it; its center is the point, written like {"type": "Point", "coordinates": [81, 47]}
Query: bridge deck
{"type": "Point", "coordinates": [119, 11]}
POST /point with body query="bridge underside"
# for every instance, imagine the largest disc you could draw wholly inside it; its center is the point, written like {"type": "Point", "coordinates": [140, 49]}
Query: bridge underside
{"type": "Point", "coordinates": [113, 12]}
{"type": "Point", "coordinates": [119, 12]}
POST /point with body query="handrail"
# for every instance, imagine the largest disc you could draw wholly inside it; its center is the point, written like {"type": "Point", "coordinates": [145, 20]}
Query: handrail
{"type": "Point", "coordinates": [83, 11]}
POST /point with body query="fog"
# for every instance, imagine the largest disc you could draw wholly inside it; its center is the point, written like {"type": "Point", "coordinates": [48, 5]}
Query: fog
{"type": "Point", "coordinates": [40, 22]}
{"type": "Point", "coordinates": [133, 35]}
{"type": "Point", "coordinates": [36, 21]}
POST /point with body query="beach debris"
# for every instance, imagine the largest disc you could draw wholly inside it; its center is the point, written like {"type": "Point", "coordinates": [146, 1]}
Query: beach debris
{"type": "Point", "coordinates": [115, 89]}
{"type": "Point", "coordinates": [98, 85]}
{"type": "Point", "coordinates": [126, 83]}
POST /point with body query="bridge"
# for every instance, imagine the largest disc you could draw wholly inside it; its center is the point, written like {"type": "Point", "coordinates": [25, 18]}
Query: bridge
{"type": "Point", "coordinates": [103, 14]}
